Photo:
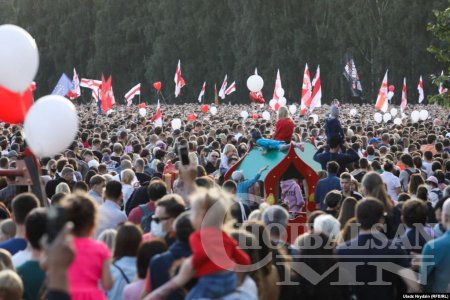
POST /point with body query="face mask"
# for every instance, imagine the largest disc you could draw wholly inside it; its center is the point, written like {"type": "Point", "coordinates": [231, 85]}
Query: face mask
{"type": "Point", "coordinates": [156, 230]}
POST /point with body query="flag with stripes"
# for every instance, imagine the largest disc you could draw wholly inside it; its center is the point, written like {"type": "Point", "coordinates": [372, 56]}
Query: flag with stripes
{"type": "Point", "coordinates": [136, 90]}
{"type": "Point", "coordinates": [420, 90]}
{"type": "Point", "coordinates": [157, 118]}
{"type": "Point", "coordinates": [223, 88]}
{"type": "Point", "coordinates": [382, 99]}
{"type": "Point", "coordinates": [351, 74]}
{"type": "Point", "coordinates": [316, 97]}
{"type": "Point", "coordinates": [277, 86]}
{"type": "Point", "coordinates": [306, 90]}
{"type": "Point", "coordinates": [75, 91]}
{"type": "Point", "coordinates": [179, 80]}
{"type": "Point", "coordinates": [90, 83]}
{"type": "Point", "coordinates": [202, 92]}
{"type": "Point", "coordinates": [404, 96]}
{"type": "Point", "coordinates": [231, 88]}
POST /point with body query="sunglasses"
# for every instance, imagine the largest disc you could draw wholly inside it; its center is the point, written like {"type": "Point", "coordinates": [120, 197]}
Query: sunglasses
{"type": "Point", "coordinates": [157, 220]}
{"type": "Point", "coordinates": [215, 156]}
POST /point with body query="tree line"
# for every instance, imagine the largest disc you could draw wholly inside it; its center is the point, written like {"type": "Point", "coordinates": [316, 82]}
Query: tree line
{"type": "Point", "coordinates": [142, 40]}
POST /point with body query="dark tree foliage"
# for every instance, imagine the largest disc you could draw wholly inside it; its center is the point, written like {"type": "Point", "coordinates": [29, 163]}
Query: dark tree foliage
{"type": "Point", "coordinates": [142, 40]}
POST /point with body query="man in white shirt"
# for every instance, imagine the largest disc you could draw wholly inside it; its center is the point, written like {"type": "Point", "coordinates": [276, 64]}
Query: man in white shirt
{"type": "Point", "coordinates": [391, 181]}
{"type": "Point", "coordinates": [110, 213]}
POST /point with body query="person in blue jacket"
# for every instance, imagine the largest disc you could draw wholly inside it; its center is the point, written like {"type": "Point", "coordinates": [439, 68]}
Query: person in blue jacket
{"type": "Point", "coordinates": [333, 127]}
{"type": "Point", "coordinates": [244, 184]}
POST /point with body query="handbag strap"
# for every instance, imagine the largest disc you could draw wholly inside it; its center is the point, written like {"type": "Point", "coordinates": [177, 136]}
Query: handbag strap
{"type": "Point", "coordinates": [122, 272]}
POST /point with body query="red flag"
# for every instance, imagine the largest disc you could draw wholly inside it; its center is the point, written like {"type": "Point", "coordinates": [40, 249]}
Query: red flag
{"type": "Point", "coordinates": [404, 99]}
{"type": "Point", "coordinates": [106, 94]}
{"type": "Point", "coordinates": [157, 118]}
{"type": "Point", "coordinates": [179, 81]}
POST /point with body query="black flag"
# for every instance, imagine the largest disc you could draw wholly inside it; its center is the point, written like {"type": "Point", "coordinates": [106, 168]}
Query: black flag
{"type": "Point", "coordinates": [352, 76]}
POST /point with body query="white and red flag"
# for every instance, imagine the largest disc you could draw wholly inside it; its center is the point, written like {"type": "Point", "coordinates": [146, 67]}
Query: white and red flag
{"type": "Point", "coordinates": [202, 92]}
{"type": "Point", "coordinates": [223, 88]}
{"type": "Point", "coordinates": [136, 90]}
{"type": "Point", "coordinates": [404, 97]}
{"type": "Point", "coordinates": [90, 83]}
{"type": "Point", "coordinates": [231, 88]}
{"type": "Point", "coordinates": [442, 90]}
{"type": "Point", "coordinates": [179, 81]}
{"type": "Point", "coordinates": [277, 86]}
{"type": "Point", "coordinates": [157, 118]}
{"type": "Point", "coordinates": [420, 90]}
{"type": "Point", "coordinates": [95, 94]}
{"type": "Point", "coordinates": [75, 90]}
{"type": "Point", "coordinates": [316, 97]}
{"type": "Point", "coordinates": [382, 99]}
{"type": "Point", "coordinates": [306, 90]}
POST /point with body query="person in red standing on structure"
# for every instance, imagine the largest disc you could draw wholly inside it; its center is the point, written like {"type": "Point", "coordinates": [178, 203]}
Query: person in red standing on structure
{"type": "Point", "coordinates": [284, 128]}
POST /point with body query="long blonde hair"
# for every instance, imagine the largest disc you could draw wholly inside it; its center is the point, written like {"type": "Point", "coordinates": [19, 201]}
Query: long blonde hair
{"type": "Point", "coordinates": [283, 113]}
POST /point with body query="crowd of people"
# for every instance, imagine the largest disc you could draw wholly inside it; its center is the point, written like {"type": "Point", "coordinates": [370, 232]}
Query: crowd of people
{"type": "Point", "coordinates": [143, 225]}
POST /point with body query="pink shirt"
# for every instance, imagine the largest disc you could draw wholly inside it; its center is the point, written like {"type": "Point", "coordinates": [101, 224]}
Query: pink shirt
{"type": "Point", "coordinates": [85, 271]}
{"type": "Point", "coordinates": [134, 290]}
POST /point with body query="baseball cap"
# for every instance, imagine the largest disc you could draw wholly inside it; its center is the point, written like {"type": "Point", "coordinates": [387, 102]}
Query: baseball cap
{"type": "Point", "coordinates": [432, 179]}
{"type": "Point", "coordinates": [374, 140]}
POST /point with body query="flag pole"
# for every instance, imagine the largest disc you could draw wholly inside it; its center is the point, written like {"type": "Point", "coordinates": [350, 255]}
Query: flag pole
{"type": "Point", "coordinates": [162, 96]}
{"type": "Point", "coordinates": [139, 97]}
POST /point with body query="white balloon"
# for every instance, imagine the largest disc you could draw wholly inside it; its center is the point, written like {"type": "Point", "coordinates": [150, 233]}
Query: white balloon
{"type": "Point", "coordinates": [315, 118]}
{"type": "Point", "coordinates": [272, 103]}
{"type": "Point", "coordinates": [282, 101]}
{"type": "Point", "coordinates": [424, 114]}
{"type": "Point", "coordinates": [415, 116]}
{"type": "Point", "coordinates": [387, 117]}
{"type": "Point", "coordinates": [390, 95]}
{"type": "Point", "coordinates": [394, 111]}
{"type": "Point", "coordinates": [378, 117]}
{"type": "Point", "coordinates": [266, 115]}
{"type": "Point", "coordinates": [244, 114]}
{"type": "Point", "coordinates": [403, 115]}
{"type": "Point", "coordinates": [280, 92]}
{"type": "Point", "coordinates": [353, 112]}
{"type": "Point", "coordinates": [292, 109]}
{"type": "Point", "coordinates": [176, 123]}
{"type": "Point", "coordinates": [50, 125]}
{"type": "Point", "coordinates": [142, 112]}
{"type": "Point", "coordinates": [255, 83]}
{"type": "Point", "coordinates": [213, 110]}
{"type": "Point", "coordinates": [19, 58]}
{"type": "Point", "coordinates": [397, 121]}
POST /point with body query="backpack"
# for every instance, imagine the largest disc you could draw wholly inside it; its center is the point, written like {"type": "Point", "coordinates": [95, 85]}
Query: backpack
{"type": "Point", "coordinates": [146, 219]}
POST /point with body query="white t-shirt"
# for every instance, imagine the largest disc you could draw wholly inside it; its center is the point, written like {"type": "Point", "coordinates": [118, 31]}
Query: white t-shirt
{"type": "Point", "coordinates": [21, 257]}
{"type": "Point", "coordinates": [392, 182]}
